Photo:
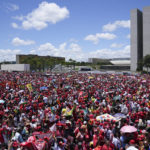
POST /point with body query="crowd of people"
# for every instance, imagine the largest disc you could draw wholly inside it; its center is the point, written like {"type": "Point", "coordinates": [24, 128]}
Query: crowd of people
{"type": "Point", "coordinates": [63, 111]}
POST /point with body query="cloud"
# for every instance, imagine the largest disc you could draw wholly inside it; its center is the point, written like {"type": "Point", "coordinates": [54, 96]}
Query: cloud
{"type": "Point", "coordinates": [74, 51]}
{"type": "Point", "coordinates": [75, 48]}
{"type": "Point", "coordinates": [12, 7]}
{"type": "Point", "coordinates": [109, 53]}
{"type": "Point", "coordinates": [95, 38]}
{"type": "Point", "coordinates": [68, 50]}
{"type": "Point", "coordinates": [46, 47]}
{"type": "Point", "coordinates": [115, 45]}
{"type": "Point", "coordinates": [71, 50]}
{"type": "Point", "coordinates": [19, 42]}
{"type": "Point", "coordinates": [62, 46]}
{"type": "Point", "coordinates": [14, 25]}
{"type": "Point", "coordinates": [8, 54]}
{"type": "Point", "coordinates": [117, 24]}
{"type": "Point", "coordinates": [73, 40]}
{"type": "Point", "coordinates": [32, 52]}
{"type": "Point", "coordinates": [46, 13]}
{"type": "Point", "coordinates": [20, 18]}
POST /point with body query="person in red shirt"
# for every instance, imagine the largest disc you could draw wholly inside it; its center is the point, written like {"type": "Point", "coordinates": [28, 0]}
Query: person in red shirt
{"type": "Point", "coordinates": [106, 146]}
{"type": "Point", "coordinates": [1, 136]}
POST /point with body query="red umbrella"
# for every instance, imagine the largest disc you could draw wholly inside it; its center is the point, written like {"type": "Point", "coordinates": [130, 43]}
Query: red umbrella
{"type": "Point", "coordinates": [60, 124]}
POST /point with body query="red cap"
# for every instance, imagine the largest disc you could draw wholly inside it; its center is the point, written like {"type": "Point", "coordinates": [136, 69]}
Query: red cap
{"type": "Point", "coordinates": [132, 142]}
{"type": "Point", "coordinates": [15, 144]}
{"type": "Point", "coordinates": [33, 120]}
{"type": "Point", "coordinates": [61, 143]}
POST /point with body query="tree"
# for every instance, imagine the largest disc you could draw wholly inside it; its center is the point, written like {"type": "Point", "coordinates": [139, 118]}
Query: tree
{"type": "Point", "coordinates": [146, 61]}
{"type": "Point", "coordinates": [72, 62]}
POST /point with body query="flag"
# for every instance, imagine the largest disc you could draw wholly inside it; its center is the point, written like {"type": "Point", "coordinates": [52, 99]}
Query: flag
{"type": "Point", "coordinates": [58, 101]}
{"type": "Point", "coordinates": [69, 113]}
{"type": "Point", "coordinates": [29, 86]}
{"type": "Point", "coordinates": [22, 86]}
{"type": "Point", "coordinates": [53, 128]}
{"type": "Point", "coordinates": [81, 93]}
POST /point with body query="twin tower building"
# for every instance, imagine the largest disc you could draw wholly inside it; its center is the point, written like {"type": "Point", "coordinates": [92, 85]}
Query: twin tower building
{"type": "Point", "coordinates": [140, 36]}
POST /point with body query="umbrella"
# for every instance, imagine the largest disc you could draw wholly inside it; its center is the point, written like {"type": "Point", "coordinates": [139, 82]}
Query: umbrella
{"type": "Point", "coordinates": [35, 92]}
{"type": "Point", "coordinates": [67, 87]}
{"type": "Point", "coordinates": [2, 101]}
{"type": "Point", "coordinates": [60, 124]}
{"type": "Point", "coordinates": [47, 74]}
{"type": "Point", "coordinates": [111, 92]}
{"type": "Point", "coordinates": [144, 81]}
{"type": "Point", "coordinates": [90, 77]}
{"type": "Point", "coordinates": [90, 85]}
{"type": "Point", "coordinates": [119, 116]}
{"type": "Point", "coordinates": [23, 103]}
{"type": "Point", "coordinates": [128, 129]}
{"type": "Point", "coordinates": [21, 91]}
{"type": "Point", "coordinates": [105, 117]}
{"type": "Point", "coordinates": [69, 76]}
{"type": "Point", "coordinates": [117, 98]}
{"type": "Point", "coordinates": [43, 88]}
{"type": "Point", "coordinates": [85, 111]}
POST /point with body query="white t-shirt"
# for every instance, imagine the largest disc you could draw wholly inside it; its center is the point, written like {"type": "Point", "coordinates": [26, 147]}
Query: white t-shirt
{"type": "Point", "coordinates": [148, 122]}
{"type": "Point", "coordinates": [116, 142]}
{"type": "Point", "coordinates": [45, 99]}
{"type": "Point", "coordinates": [131, 148]}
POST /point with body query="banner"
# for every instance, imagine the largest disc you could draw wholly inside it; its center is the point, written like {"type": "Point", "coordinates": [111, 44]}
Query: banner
{"type": "Point", "coordinates": [42, 135]}
{"type": "Point", "coordinates": [22, 87]}
{"type": "Point", "coordinates": [40, 144]}
{"type": "Point", "coordinates": [29, 86]}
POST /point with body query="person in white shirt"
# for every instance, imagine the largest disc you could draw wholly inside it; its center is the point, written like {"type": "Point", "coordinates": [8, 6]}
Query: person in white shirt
{"type": "Point", "coordinates": [116, 141]}
{"type": "Point", "coordinates": [45, 99]}
{"type": "Point", "coordinates": [131, 148]}
{"type": "Point", "coordinates": [132, 145]}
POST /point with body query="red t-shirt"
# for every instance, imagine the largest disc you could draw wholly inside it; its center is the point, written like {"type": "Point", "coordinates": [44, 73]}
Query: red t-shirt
{"type": "Point", "coordinates": [105, 147]}
{"type": "Point", "coordinates": [1, 136]}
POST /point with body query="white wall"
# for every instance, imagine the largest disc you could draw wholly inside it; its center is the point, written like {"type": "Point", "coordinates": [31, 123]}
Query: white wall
{"type": "Point", "coordinates": [15, 67]}
{"type": "Point", "coordinates": [120, 62]}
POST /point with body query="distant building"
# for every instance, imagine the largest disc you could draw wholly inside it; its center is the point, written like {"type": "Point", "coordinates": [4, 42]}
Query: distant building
{"type": "Point", "coordinates": [146, 31]}
{"type": "Point", "coordinates": [118, 64]}
{"type": "Point", "coordinates": [115, 67]}
{"type": "Point", "coordinates": [21, 58]}
{"type": "Point", "coordinates": [140, 36]}
{"type": "Point", "coordinates": [121, 61]}
{"type": "Point", "coordinates": [98, 60]}
{"type": "Point", "coordinates": [39, 63]}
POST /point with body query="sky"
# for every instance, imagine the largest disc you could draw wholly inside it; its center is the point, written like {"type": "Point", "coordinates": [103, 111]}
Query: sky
{"type": "Point", "coordinates": [76, 29]}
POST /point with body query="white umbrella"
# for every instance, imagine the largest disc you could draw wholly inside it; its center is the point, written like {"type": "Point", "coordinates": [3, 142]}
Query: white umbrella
{"type": "Point", "coordinates": [144, 81]}
{"type": "Point", "coordinates": [2, 101]}
{"type": "Point", "coordinates": [21, 91]}
{"type": "Point", "coordinates": [128, 129]}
